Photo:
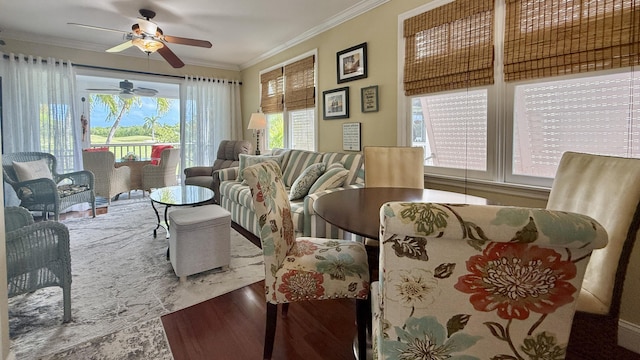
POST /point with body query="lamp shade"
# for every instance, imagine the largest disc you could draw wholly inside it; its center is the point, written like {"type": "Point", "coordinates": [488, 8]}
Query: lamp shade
{"type": "Point", "coordinates": [257, 121]}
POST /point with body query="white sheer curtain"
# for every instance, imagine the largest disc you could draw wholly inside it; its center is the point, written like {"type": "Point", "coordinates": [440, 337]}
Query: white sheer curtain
{"type": "Point", "coordinates": [39, 112]}
{"type": "Point", "coordinates": [210, 113]}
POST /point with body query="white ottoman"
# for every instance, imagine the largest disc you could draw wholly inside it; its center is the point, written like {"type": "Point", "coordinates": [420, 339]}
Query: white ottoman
{"type": "Point", "coordinates": [199, 239]}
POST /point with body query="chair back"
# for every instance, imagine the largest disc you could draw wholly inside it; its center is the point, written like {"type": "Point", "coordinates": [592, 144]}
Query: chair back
{"type": "Point", "coordinates": [394, 166]}
{"type": "Point", "coordinates": [607, 189]}
{"type": "Point", "coordinates": [273, 211]}
{"type": "Point", "coordinates": [16, 217]}
{"type": "Point", "coordinates": [9, 174]}
{"type": "Point", "coordinates": [478, 281]}
{"type": "Point", "coordinates": [169, 159]}
{"type": "Point", "coordinates": [229, 153]}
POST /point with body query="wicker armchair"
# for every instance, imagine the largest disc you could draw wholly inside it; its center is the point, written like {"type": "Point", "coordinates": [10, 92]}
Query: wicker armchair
{"type": "Point", "coordinates": [164, 174]}
{"type": "Point", "coordinates": [109, 180]}
{"type": "Point", "coordinates": [49, 195]}
{"type": "Point", "coordinates": [37, 255]}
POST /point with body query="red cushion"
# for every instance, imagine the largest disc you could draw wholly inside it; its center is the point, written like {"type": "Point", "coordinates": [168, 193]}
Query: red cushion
{"type": "Point", "coordinates": [156, 151]}
{"type": "Point", "coordinates": [97, 149]}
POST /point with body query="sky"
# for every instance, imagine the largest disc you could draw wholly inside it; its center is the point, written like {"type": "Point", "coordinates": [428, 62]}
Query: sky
{"type": "Point", "coordinates": [136, 115]}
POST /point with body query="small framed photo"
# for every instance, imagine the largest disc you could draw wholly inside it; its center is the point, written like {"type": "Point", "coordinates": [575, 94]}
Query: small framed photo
{"type": "Point", "coordinates": [369, 99]}
{"type": "Point", "coordinates": [335, 104]}
{"type": "Point", "coordinates": [352, 63]}
{"type": "Point", "coordinates": [351, 137]}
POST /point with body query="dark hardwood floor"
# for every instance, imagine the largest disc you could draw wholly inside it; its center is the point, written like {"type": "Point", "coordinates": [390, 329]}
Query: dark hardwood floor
{"type": "Point", "coordinates": [231, 327]}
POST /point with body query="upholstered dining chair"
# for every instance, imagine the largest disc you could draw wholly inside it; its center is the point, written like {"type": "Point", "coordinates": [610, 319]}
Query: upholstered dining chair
{"type": "Point", "coordinates": [394, 166]}
{"type": "Point", "coordinates": [164, 174]}
{"type": "Point", "coordinates": [38, 255]}
{"type": "Point", "coordinates": [35, 179]}
{"type": "Point", "coordinates": [304, 268]}
{"type": "Point", "coordinates": [109, 180]}
{"type": "Point", "coordinates": [478, 281]}
{"type": "Point", "coordinates": [607, 189]}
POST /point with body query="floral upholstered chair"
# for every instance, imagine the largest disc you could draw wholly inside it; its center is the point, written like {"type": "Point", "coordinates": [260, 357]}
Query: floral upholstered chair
{"type": "Point", "coordinates": [478, 281]}
{"type": "Point", "coordinates": [303, 268]}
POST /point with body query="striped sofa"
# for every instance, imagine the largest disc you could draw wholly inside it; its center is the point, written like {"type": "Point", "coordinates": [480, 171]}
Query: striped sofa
{"type": "Point", "coordinates": [236, 197]}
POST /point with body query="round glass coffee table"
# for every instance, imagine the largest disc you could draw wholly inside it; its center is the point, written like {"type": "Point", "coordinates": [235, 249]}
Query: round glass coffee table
{"type": "Point", "coordinates": [179, 195]}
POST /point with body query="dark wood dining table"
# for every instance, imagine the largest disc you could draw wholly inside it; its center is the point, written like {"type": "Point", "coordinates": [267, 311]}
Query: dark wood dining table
{"type": "Point", "coordinates": [358, 210]}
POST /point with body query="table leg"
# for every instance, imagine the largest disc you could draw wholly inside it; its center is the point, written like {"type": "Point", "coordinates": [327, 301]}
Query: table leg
{"type": "Point", "coordinates": [155, 231]}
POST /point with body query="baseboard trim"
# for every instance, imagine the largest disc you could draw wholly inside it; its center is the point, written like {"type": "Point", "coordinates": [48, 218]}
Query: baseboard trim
{"type": "Point", "coordinates": [629, 336]}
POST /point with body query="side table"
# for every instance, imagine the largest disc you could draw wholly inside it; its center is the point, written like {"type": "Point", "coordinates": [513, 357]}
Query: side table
{"type": "Point", "coordinates": [136, 171]}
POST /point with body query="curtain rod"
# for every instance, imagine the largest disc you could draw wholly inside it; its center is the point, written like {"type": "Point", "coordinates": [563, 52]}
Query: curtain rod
{"type": "Point", "coordinates": [94, 67]}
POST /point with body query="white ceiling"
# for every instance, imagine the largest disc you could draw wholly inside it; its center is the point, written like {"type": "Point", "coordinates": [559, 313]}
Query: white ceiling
{"type": "Point", "coordinates": [242, 31]}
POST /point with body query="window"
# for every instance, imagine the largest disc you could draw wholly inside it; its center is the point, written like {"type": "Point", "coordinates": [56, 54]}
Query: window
{"type": "Point", "coordinates": [578, 93]}
{"type": "Point", "coordinates": [288, 100]}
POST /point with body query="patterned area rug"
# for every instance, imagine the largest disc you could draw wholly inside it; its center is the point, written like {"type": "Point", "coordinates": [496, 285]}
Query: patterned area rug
{"type": "Point", "coordinates": [122, 284]}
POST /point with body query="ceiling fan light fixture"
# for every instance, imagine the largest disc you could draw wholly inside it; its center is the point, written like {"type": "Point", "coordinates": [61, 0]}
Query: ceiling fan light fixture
{"type": "Point", "coordinates": [147, 45]}
{"type": "Point", "coordinates": [147, 27]}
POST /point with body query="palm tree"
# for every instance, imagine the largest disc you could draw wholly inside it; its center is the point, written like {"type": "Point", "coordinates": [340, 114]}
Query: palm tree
{"type": "Point", "coordinates": [150, 123]}
{"type": "Point", "coordinates": [117, 107]}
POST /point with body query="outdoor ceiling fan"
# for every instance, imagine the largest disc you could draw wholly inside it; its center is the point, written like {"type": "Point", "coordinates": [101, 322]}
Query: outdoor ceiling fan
{"type": "Point", "coordinates": [126, 89]}
{"type": "Point", "coordinates": [148, 37]}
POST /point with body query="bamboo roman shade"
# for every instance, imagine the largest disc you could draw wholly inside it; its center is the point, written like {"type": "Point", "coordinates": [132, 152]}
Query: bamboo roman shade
{"type": "Point", "coordinates": [300, 85]}
{"type": "Point", "coordinates": [556, 37]}
{"type": "Point", "coordinates": [272, 93]}
{"type": "Point", "coordinates": [449, 47]}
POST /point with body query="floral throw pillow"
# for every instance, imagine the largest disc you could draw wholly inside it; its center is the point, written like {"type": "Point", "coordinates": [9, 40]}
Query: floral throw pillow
{"type": "Point", "coordinates": [248, 160]}
{"type": "Point", "coordinates": [303, 183]}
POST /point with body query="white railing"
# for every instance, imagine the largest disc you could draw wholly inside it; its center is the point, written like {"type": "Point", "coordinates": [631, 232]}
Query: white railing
{"type": "Point", "coordinates": [142, 150]}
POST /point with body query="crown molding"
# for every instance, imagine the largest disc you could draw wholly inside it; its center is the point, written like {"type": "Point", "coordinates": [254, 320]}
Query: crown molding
{"type": "Point", "coordinates": [81, 45]}
{"type": "Point", "coordinates": [346, 15]}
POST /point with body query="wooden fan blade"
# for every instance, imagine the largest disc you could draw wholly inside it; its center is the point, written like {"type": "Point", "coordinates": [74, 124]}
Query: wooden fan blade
{"type": "Point", "coordinates": [186, 41]}
{"type": "Point", "coordinates": [125, 45]}
{"type": "Point", "coordinates": [171, 58]}
{"type": "Point", "coordinates": [98, 28]}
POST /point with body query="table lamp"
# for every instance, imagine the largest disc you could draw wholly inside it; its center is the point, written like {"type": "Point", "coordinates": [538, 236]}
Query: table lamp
{"type": "Point", "coordinates": [257, 122]}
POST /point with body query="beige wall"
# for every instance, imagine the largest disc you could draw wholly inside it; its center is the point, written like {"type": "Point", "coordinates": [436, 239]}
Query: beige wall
{"type": "Point", "coordinates": [378, 28]}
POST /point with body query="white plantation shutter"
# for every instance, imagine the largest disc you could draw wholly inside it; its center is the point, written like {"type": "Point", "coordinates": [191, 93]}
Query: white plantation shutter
{"type": "Point", "coordinates": [456, 128]}
{"type": "Point", "coordinates": [594, 115]}
{"type": "Point", "coordinates": [302, 129]}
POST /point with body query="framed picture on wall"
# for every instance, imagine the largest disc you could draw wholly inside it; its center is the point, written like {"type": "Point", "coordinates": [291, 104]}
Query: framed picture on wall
{"type": "Point", "coordinates": [369, 99]}
{"type": "Point", "coordinates": [335, 103]}
{"type": "Point", "coordinates": [352, 63]}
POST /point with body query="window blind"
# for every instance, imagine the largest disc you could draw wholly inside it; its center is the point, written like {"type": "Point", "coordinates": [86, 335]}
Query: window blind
{"type": "Point", "coordinates": [272, 93]}
{"type": "Point", "coordinates": [556, 37]}
{"type": "Point", "coordinates": [300, 85]}
{"type": "Point", "coordinates": [449, 47]}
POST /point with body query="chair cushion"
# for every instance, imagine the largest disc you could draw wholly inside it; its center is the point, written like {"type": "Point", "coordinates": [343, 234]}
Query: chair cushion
{"type": "Point", "coordinates": [332, 178]}
{"type": "Point", "coordinates": [303, 183]}
{"type": "Point", "coordinates": [322, 269]}
{"type": "Point", "coordinates": [32, 170]}
{"type": "Point", "coordinates": [97, 149]}
{"type": "Point", "coordinates": [70, 189]}
{"type": "Point", "coordinates": [156, 152]}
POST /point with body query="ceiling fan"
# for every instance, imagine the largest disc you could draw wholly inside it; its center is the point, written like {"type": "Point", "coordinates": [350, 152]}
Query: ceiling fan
{"type": "Point", "coordinates": [126, 89]}
{"type": "Point", "coordinates": [148, 37]}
